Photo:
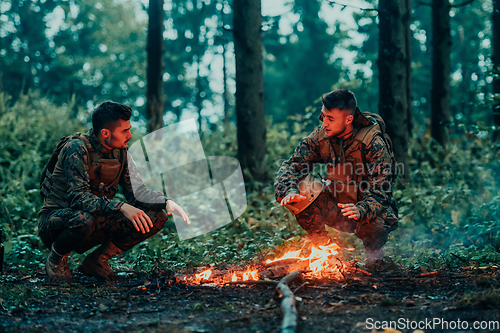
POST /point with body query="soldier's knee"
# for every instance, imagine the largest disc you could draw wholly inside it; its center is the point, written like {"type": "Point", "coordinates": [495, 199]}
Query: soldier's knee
{"type": "Point", "coordinates": [374, 234]}
{"type": "Point", "coordinates": [84, 223]}
{"type": "Point", "coordinates": [159, 218]}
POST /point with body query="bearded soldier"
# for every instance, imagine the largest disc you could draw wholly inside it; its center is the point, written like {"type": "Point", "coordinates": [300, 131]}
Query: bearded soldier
{"type": "Point", "coordinates": [355, 196]}
{"type": "Point", "coordinates": [79, 213]}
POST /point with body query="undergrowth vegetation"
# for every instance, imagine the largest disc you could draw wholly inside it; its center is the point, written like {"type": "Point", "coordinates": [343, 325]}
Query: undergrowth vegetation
{"type": "Point", "coordinates": [449, 212]}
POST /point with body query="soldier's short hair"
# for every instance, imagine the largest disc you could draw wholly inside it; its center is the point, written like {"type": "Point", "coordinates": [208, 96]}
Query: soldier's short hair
{"type": "Point", "coordinates": [341, 99]}
{"type": "Point", "coordinates": [107, 114]}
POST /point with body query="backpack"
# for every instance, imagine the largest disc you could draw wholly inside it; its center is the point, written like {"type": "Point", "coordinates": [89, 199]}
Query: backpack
{"type": "Point", "coordinates": [387, 140]}
{"type": "Point", "coordinates": [373, 117]}
{"type": "Point", "coordinates": [46, 177]}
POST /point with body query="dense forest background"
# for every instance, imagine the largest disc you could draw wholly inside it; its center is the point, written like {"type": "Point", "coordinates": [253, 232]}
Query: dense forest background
{"type": "Point", "coordinates": [252, 75]}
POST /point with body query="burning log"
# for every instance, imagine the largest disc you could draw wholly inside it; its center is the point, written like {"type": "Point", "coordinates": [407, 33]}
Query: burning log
{"type": "Point", "coordinates": [284, 262]}
{"type": "Point", "coordinates": [254, 282]}
{"type": "Point", "coordinates": [363, 271]}
{"type": "Point", "coordinates": [274, 271]}
{"type": "Point", "coordinates": [290, 313]}
{"type": "Point", "coordinates": [428, 274]}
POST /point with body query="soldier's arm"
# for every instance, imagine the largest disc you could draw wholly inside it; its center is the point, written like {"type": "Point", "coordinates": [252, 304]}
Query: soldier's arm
{"type": "Point", "coordinates": [142, 197]}
{"type": "Point", "coordinates": [299, 165]}
{"type": "Point", "coordinates": [378, 194]}
{"type": "Point", "coordinates": [75, 164]}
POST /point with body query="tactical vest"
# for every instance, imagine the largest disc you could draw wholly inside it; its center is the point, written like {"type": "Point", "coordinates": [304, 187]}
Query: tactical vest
{"type": "Point", "coordinates": [346, 170]}
{"type": "Point", "coordinates": [104, 175]}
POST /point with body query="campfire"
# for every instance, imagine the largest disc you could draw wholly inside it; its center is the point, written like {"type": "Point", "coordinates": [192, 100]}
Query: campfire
{"type": "Point", "coordinates": [310, 264]}
{"type": "Point", "coordinates": [313, 261]}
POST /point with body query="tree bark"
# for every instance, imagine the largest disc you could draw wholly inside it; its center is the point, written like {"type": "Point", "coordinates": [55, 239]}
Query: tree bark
{"type": "Point", "coordinates": [198, 100]}
{"type": "Point", "coordinates": [154, 95]}
{"type": "Point", "coordinates": [441, 48]}
{"type": "Point", "coordinates": [408, 34]}
{"type": "Point", "coordinates": [250, 114]}
{"type": "Point", "coordinates": [496, 67]}
{"type": "Point", "coordinates": [225, 94]}
{"type": "Point", "coordinates": [393, 72]}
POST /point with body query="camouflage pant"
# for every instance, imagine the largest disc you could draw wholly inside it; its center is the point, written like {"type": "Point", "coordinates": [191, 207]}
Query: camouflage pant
{"type": "Point", "coordinates": [324, 210]}
{"type": "Point", "coordinates": [76, 230]}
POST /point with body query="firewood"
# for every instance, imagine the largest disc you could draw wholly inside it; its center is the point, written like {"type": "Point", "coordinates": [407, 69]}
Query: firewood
{"type": "Point", "coordinates": [363, 271]}
{"type": "Point", "coordinates": [254, 282]}
{"type": "Point", "coordinates": [290, 314]}
{"type": "Point", "coordinates": [284, 262]}
{"type": "Point", "coordinates": [281, 270]}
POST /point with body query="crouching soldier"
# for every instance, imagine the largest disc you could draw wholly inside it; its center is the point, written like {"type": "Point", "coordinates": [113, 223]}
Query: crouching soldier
{"type": "Point", "coordinates": [78, 185]}
{"type": "Point", "coordinates": [355, 196]}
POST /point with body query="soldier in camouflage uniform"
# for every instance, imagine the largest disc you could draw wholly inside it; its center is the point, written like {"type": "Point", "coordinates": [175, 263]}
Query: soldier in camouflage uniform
{"type": "Point", "coordinates": [78, 212]}
{"type": "Point", "coordinates": [356, 196]}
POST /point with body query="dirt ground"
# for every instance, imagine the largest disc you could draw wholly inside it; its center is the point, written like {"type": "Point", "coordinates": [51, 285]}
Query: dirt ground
{"type": "Point", "coordinates": [360, 303]}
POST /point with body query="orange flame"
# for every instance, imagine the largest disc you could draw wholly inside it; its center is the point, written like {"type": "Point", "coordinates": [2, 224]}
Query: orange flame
{"type": "Point", "coordinates": [288, 255]}
{"type": "Point", "coordinates": [234, 278]}
{"type": "Point", "coordinates": [205, 275]}
{"type": "Point", "coordinates": [318, 258]}
{"type": "Point", "coordinates": [254, 275]}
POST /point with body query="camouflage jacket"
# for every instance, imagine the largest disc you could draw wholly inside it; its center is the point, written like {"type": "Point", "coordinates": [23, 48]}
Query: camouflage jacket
{"type": "Point", "coordinates": [75, 160]}
{"type": "Point", "coordinates": [376, 201]}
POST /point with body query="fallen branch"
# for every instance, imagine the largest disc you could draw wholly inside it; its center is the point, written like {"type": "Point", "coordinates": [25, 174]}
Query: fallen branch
{"type": "Point", "coordinates": [290, 313]}
{"type": "Point", "coordinates": [303, 284]}
{"type": "Point", "coordinates": [428, 274]}
{"type": "Point", "coordinates": [363, 271]}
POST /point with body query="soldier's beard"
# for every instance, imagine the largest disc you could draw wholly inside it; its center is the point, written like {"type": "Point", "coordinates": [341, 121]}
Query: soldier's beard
{"type": "Point", "coordinates": [113, 143]}
{"type": "Point", "coordinates": [338, 134]}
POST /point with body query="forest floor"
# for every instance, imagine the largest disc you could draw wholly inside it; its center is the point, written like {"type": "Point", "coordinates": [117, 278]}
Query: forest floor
{"type": "Point", "coordinates": [144, 303]}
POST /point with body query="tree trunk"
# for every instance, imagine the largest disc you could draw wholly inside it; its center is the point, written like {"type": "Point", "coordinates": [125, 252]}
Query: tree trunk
{"type": "Point", "coordinates": [392, 64]}
{"type": "Point", "coordinates": [408, 34]}
{"type": "Point", "coordinates": [155, 96]}
{"type": "Point", "coordinates": [225, 94]}
{"type": "Point", "coordinates": [496, 67]}
{"type": "Point", "coordinates": [250, 113]}
{"type": "Point", "coordinates": [198, 100]}
{"type": "Point", "coordinates": [441, 48]}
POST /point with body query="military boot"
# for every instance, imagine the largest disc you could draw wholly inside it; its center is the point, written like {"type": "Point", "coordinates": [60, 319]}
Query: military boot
{"type": "Point", "coordinates": [96, 263]}
{"type": "Point", "coordinates": [376, 263]}
{"type": "Point", "coordinates": [57, 268]}
{"type": "Point", "coordinates": [374, 260]}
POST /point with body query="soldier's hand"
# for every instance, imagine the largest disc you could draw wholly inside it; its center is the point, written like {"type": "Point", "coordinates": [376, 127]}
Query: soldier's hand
{"type": "Point", "coordinates": [139, 219]}
{"type": "Point", "coordinates": [292, 197]}
{"type": "Point", "coordinates": [350, 210]}
{"type": "Point", "coordinates": [172, 207]}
